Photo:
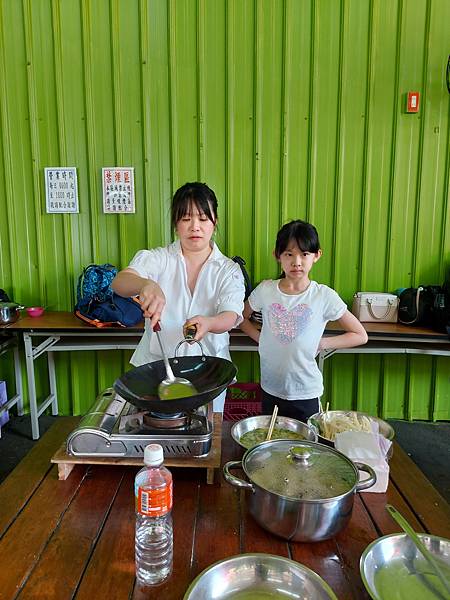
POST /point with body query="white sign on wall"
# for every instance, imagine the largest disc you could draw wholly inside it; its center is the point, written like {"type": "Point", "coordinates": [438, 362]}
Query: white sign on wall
{"type": "Point", "coordinates": [61, 189]}
{"type": "Point", "coordinates": [118, 190]}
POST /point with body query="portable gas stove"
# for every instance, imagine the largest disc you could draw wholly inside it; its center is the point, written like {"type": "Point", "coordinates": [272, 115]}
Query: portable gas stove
{"type": "Point", "coordinates": [116, 428]}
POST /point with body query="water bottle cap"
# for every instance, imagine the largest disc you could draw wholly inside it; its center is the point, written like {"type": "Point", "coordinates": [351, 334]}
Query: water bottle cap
{"type": "Point", "coordinates": [153, 455]}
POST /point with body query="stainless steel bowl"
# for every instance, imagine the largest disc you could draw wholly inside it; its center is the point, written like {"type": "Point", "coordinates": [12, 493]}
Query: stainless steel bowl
{"type": "Point", "coordinates": [258, 576]}
{"type": "Point", "coordinates": [392, 568]}
{"type": "Point", "coordinates": [261, 421]}
{"type": "Point", "coordinates": [385, 429]}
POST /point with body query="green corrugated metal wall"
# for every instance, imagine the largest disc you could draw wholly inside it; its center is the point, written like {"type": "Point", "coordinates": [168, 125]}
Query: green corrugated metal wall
{"type": "Point", "coordinates": [287, 108]}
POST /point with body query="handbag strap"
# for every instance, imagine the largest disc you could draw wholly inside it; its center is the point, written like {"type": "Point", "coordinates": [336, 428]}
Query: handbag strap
{"type": "Point", "coordinates": [419, 290]}
{"type": "Point", "coordinates": [388, 309]}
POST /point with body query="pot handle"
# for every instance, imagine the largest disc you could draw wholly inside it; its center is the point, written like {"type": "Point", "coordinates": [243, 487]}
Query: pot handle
{"type": "Point", "coordinates": [232, 464]}
{"type": "Point", "coordinates": [365, 483]}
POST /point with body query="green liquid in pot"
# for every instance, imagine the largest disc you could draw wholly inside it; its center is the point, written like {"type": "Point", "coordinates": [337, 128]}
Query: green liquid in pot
{"type": "Point", "coordinates": [323, 475]}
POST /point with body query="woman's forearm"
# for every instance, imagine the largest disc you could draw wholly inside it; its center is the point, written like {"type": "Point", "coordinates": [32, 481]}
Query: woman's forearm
{"type": "Point", "coordinates": [222, 322]}
{"type": "Point", "coordinates": [128, 283]}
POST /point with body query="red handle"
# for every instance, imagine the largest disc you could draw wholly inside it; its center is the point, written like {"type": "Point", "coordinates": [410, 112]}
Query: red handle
{"type": "Point", "coordinates": [157, 327]}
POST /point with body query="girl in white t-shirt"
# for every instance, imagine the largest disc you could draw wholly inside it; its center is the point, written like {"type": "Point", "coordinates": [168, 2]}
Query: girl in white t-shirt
{"type": "Point", "coordinates": [189, 282]}
{"type": "Point", "coordinates": [295, 311]}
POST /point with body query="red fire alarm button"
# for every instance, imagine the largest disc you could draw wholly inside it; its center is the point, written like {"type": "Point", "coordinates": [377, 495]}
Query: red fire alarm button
{"type": "Point", "coordinates": [412, 105]}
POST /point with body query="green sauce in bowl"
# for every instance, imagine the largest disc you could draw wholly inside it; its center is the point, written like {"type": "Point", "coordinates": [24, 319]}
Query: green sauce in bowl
{"type": "Point", "coordinates": [256, 436]}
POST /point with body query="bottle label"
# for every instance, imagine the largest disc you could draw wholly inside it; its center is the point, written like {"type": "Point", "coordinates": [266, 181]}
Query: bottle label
{"type": "Point", "coordinates": [154, 503]}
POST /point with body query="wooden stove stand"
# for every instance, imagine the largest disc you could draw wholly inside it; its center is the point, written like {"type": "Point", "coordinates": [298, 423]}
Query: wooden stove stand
{"type": "Point", "coordinates": [66, 462]}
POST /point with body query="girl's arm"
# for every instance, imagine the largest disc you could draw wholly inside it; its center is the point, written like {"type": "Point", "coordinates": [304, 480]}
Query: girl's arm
{"type": "Point", "coordinates": [355, 334]}
{"type": "Point", "coordinates": [247, 326]}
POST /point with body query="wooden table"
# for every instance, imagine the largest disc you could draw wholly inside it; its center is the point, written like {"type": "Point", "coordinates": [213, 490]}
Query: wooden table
{"type": "Point", "coordinates": [75, 538]}
{"type": "Point", "coordinates": [62, 331]}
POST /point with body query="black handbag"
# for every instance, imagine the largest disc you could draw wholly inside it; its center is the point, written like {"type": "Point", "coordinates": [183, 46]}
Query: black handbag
{"type": "Point", "coordinates": [425, 305]}
{"type": "Point", "coordinates": [440, 311]}
{"type": "Point", "coordinates": [4, 296]}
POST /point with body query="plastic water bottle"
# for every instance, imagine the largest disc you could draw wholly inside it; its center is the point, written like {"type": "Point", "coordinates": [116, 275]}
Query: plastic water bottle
{"type": "Point", "coordinates": [154, 533]}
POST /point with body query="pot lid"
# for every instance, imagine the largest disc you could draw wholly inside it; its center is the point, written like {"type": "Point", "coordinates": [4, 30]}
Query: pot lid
{"type": "Point", "coordinates": [301, 471]}
{"type": "Point", "coordinates": [9, 305]}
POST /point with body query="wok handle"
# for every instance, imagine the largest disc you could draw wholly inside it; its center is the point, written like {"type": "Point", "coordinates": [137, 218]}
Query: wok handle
{"type": "Point", "coordinates": [240, 483]}
{"type": "Point", "coordinates": [365, 483]}
{"type": "Point", "coordinates": [190, 342]}
{"type": "Point", "coordinates": [190, 332]}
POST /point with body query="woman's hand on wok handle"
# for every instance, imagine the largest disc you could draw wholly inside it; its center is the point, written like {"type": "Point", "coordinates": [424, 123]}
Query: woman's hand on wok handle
{"type": "Point", "coordinates": [220, 323]}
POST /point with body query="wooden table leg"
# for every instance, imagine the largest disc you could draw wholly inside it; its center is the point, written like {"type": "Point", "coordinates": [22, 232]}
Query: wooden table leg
{"type": "Point", "coordinates": [210, 475]}
{"type": "Point", "coordinates": [64, 470]}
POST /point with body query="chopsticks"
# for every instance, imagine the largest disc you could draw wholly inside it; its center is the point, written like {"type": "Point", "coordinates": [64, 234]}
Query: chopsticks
{"type": "Point", "coordinates": [272, 422]}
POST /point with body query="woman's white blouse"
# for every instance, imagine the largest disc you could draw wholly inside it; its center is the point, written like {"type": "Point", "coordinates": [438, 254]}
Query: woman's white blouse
{"type": "Point", "coordinates": [219, 287]}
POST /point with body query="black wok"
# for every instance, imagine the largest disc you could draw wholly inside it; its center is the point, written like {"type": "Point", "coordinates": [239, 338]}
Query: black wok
{"type": "Point", "coordinates": [209, 375]}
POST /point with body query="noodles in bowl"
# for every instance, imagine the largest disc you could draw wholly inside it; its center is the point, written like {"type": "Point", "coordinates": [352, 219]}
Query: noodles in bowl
{"type": "Point", "coordinates": [329, 423]}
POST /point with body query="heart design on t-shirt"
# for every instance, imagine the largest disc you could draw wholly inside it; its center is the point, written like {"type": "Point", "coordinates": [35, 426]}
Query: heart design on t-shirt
{"type": "Point", "coordinates": [286, 324]}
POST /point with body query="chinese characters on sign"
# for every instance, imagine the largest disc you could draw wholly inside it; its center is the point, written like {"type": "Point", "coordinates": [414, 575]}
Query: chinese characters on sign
{"type": "Point", "coordinates": [118, 190]}
{"type": "Point", "coordinates": [61, 191]}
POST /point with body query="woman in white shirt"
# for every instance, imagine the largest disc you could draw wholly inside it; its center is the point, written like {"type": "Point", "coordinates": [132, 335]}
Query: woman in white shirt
{"type": "Point", "coordinates": [188, 282]}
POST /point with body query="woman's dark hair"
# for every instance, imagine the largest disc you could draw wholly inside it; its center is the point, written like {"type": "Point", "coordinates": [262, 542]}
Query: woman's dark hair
{"type": "Point", "coordinates": [195, 193]}
{"type": "Point", "coordinates": [303, 234]}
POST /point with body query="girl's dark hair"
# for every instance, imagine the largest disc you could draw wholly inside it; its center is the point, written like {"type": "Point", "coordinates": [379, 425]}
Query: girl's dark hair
{"type": "Point", "coordinates": [303, 234]}
{"type": "Point", "coordinates": [195, 193]}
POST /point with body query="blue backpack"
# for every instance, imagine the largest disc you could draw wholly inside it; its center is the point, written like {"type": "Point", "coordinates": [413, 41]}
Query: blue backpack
{"type": "Point", "coordinates": [98, 305]}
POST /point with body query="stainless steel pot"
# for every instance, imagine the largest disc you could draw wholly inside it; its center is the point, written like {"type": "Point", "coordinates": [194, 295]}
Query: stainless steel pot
{"type": "Point", "coordinates": [302, 492]}
{"type": "Point", "coordinates": [9, 312]}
